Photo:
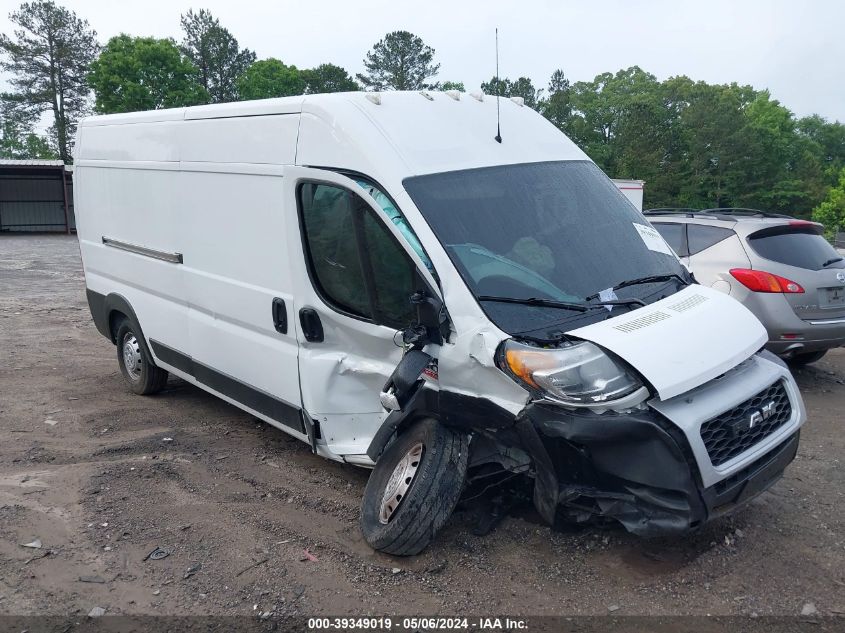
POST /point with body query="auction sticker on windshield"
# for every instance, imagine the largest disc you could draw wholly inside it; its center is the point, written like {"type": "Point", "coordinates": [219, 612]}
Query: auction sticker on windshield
{"type": "Point", "coordinates": [653, 240]}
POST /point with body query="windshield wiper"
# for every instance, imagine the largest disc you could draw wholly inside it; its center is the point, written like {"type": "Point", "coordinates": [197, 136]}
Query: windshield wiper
{"type": "Point", "coordinates": [832, 261]}
{"type": "Point", "coordinates": [549, 303]}
{"type": "Point", "coordinates": [619, 302]}
{"type": "Point", "coordinates": [535, 301]}
{"type": "Point", "coordinates": [645, 280]}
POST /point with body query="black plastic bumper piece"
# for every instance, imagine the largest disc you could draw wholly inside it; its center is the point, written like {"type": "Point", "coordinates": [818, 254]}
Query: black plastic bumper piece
{"type": "Point", "coordinates": [743, 486]}
{"type": "Point", "coordinates": [97, 305]}
{"type": "Point", "coordinates": [636, 468]}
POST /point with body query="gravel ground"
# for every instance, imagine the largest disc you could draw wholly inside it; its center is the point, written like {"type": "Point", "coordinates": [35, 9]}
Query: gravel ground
{"type": "Point", "coordinates": [255, 524]}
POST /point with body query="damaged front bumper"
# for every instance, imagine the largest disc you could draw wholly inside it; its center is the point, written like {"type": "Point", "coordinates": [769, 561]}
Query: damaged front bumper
{"type": "Point", "coordinates": [650, 469]}
{"type": "Point", "coordinates": [636, 469]}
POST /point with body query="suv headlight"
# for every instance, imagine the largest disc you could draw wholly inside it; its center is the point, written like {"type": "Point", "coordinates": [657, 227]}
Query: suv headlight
{"type": "Point", "coordinates": [580, 374]}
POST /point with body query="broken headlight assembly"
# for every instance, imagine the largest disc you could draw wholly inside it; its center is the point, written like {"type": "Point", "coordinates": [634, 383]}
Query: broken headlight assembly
{"type": "Point", "coordinates": [577, 374]}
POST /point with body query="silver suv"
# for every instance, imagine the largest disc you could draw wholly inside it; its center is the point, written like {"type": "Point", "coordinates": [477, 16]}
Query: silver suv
{"type": "Point", "coordinates": [780, 268]}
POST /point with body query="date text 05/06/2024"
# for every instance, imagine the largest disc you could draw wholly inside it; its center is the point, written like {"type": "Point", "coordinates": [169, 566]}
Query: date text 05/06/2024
{"type": "Point", "coordinates": [428, 623]}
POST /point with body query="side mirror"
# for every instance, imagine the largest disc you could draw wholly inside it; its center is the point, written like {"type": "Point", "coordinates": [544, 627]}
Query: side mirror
{"type": "Point", "coordinates": [429, 310]}
{"type": "Point", "coordinates": [432, 322]}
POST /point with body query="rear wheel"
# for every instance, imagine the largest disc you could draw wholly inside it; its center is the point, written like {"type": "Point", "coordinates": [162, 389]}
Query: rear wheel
{"type": "Point", "coordinates": [138, 369]}
{"type": "Point", "coordinates": [414, 488]}
{"type": "Point", "coordinates": [799, 360]}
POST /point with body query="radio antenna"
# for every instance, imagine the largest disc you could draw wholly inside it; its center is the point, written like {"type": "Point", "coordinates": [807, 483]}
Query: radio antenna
{"type": "Point", "coordinates": [498, 136]}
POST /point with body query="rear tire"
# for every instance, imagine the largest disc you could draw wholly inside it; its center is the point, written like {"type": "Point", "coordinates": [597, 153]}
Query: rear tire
{"type": "Point", "coordinates": [138, 369]}
{"type": "Point", "coordinates": [414, 488]}
{"type": "Point", "coordinates": [799, 360]}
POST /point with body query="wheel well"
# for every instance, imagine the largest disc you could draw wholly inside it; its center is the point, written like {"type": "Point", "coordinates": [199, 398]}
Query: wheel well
{"type": "Point", "coordinates": [115, 317]}
{"type": "Point", "coordinates": [406, 424]}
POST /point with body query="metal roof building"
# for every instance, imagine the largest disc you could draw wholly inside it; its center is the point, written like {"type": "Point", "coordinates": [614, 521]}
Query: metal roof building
{"type": "Point", "coordinates": [36, 195]}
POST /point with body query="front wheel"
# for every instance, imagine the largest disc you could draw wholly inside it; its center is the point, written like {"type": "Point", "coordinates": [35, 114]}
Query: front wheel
{"type": "Point", "coordinates": [414, 488]}
{"type": "Point", "coordinates": [138, 369]}
{"type": "Point", "coordinates": [799, 360]}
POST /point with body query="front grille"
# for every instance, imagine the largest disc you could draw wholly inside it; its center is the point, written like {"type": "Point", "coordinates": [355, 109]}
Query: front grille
{"type": "Point", "coordinates": [733, 433]}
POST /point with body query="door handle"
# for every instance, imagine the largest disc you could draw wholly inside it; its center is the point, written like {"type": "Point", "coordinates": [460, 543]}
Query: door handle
{"type": "Point", "coordinates": [280, 315]}
{"type": "Point", "coordinates": [312, 327]}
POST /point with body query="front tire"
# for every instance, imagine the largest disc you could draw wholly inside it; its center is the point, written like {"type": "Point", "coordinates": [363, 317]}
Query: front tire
{"type": "Point", "coordinates": [414, 488]}
{"type": "Point", "coordinates": [799, 360]}
{"type": "Point", "coordinates": [138, 369]}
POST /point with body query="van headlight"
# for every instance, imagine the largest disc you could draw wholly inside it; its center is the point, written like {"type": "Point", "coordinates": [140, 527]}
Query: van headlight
{"type": "Point", "coordinates": [580, 374]}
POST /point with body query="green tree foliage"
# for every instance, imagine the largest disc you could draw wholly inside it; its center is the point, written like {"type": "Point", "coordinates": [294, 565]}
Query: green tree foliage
{"type": "Point", "coordinates": [18, 141]}
{"type": "Point", "coordinates": [831, 211]}
{"type": "Point", "coordinates": [557, 107]}
{"type": "Point", "coordinates": [328, 78]}
{"type": "Point", "coordinates": [452, 85]}
{"type": "Point", "coordinates": [268, 78]}
{"type": "Point", "coordinates": [521, 87]}
{"type": "Point", "coordinates": [828, 141]}
{"type": "Point", "coordinates": [143, 73]}
{"type": "Point", "coordinates": [400, 61]}
{"type": "Point", "coordinates": [216, 53]}
{"type": "Point", "coordinates": [697, 144]}
{"type": "Point", "coordinates": [48, 58]}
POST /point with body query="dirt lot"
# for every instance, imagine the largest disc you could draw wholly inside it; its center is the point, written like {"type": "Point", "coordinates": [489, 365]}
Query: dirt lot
{"type": "Point", "coordinates": [102, 477]}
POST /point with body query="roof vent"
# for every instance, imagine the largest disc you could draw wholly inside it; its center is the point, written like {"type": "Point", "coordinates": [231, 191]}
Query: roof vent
{"type": "Point", "coordinates": [455, 94]}
{"type": "Point", "coordinates": [518, 101]}
{"type": "Point", "coordinates": [478, 96]}
{"type": "Point", "coordinates": [426, 95]}
{"type": "Point", "coordinates": [374, 97]}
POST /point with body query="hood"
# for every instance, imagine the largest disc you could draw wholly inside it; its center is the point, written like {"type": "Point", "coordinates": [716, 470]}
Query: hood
{"type": "Point", "coordinates": [681, 341]}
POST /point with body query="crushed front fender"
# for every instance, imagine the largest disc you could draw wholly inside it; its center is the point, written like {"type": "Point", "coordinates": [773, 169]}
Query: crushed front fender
{"type": "Point", "coordinates": [636, 468]}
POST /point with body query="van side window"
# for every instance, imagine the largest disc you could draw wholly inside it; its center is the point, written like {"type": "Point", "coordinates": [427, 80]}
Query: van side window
{"type": "Point", "coordinates": [396, 216]}
{"type": "Point", "coordinates": [394, 275]}
{"type": "Point", "coordinates": [356, 264]}
{"type": "Point", "coordinates": [327, 214]}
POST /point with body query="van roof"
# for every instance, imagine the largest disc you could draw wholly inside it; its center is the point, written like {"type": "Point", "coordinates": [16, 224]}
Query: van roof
{"type": "Point", "coordinates": [431, 131]}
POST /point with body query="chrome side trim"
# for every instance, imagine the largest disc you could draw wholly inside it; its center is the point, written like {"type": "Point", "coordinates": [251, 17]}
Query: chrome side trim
{"type": "Point", "coordinates": [173, 258]}
{"type": "Point", "coordinates": [827, 322]}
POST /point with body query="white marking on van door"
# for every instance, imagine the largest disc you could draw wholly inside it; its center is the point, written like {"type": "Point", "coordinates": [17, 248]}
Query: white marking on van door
{"type": "Point", "coordinates": [358, 366]}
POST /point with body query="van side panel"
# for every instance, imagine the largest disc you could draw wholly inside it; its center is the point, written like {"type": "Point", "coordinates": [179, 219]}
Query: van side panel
{"type": "Point", "coordinates": [208, 193]}
{"type": "Point", "coordinates": [251, 140]}
{"type": "Point", "coordinates": [231, 229]}
{"type": "Point", "coordinates": [127, 187]}
{"type": "Point", "coordinates": [236, 263]}
{"type": "Point", "coordinates": [132, 142]}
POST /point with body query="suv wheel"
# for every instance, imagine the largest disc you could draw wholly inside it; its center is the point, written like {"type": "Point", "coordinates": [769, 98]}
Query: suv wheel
{"type": "Point", "coordinates": [799, 360]}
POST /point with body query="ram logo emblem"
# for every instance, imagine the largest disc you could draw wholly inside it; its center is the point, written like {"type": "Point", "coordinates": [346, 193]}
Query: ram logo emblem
{"type": "Point", "coordinates": [765, 412]}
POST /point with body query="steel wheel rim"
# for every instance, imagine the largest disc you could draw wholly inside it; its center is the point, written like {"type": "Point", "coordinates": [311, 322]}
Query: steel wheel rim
{"type": "Point", "coordinates": [132, 360]}
{"type": "Point", "coordinates": [400, 482]}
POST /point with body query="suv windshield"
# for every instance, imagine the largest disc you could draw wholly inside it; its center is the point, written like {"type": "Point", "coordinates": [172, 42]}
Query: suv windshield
{"type": "Point", "coordinates": [558, 231]}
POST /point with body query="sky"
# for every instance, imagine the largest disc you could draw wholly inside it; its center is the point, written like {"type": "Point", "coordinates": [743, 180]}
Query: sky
{"type": "Point", "coordinates": [794, 48]}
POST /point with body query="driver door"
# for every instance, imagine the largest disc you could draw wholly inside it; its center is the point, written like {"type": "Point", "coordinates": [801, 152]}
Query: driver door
{"type": "Point", "coordinates": [354, 275]}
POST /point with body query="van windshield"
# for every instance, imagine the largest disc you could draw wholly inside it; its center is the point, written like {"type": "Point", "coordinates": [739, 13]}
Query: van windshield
{"type": "Point", "coordinates": [557, 231]}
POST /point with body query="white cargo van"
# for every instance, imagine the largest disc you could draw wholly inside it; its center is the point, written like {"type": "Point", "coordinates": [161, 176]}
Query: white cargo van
{"type": "Point", "coordinates": [380, 277]}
